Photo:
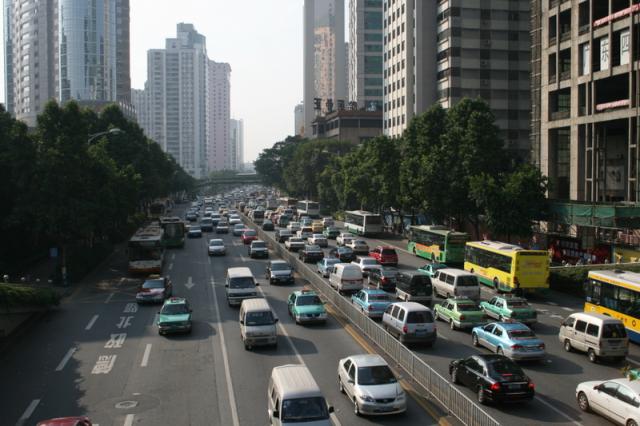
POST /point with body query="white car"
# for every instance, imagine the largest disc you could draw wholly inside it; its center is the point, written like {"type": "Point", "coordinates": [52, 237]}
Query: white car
{"type": "Point", "coordinates": [294, 227]}
{"type": "Point", "coordinates": [344, 238]}
{"type": "Point", "coordinates": [358, 246]}
{"type": "Point", "coordinates": [216, 247]}
{"type": "Point", "coordinates": [369, 382]}
{"type": "Point", "coordinates": [617, 399]}
{"type": "Point", "coordinates": [366, 264]}
{"type": "Point", "coordinates": [294, 244]}
{"type": "Point", "coordinates": [318, 240]}
{"type": "Point", "coordinates": [327, 222]}
{"type": "Point", "coordinates": [234, 220]}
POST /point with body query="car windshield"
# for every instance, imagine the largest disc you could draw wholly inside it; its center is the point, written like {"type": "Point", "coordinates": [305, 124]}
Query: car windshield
{"type": "Point", "coordinates": [379, 298]}
{"type": "Point", "coordinates": [517, 304]}
{"type": "Point", "coordinates": [250, 233]}
{"type": "Point", "coordinates": [521, 334]}
{"type": "Point", "coordinates": [215, 243]}
{"type": "Point", "coordinates": [375, 375]}
{"type": "Point", "coordinates": [313, 248]}
{"type": "Point", "coordinates": [222, 223]}
{"type": "Point", "coordinates": [504, 368]}
{"type": "Point", "coordinates": [615, 331]}
{"type": "Point", "coordinates": [332, 261]}
{"type": "Point", "coordinates": [388, 252]}
{"type": "Point", "coordinates": [344, 250]}
{"type": "Point", "coordinates": [308, 300]}
{"type": "Point", "coordinates": [194, 229]}
{"type": "Point", "coordinates": [465, 307]}
{"type": "Point", "coordinates": [361, 243]}
{"type": "Point", "coordinates": [177, 309]}
{"type": "Point", "coordinates": [467, 281]}
{"type": "Point", "coordinates": [258, 244]}
{"type": "Point", "coordinates": [241, 282]}
{"type": "Point", "coordinates": [259, 318]}
{"type": "Point", "coordinates": [295, 240]}
{"type": "Point", "coordinates": [369, 262]}
{"type": "Point", "coordinates": [280, 267]}
{"type": "Point", "coordinates": [419, 317]}
{"type": "Point", "coordinates": [239, 226]}
{"type": "Point", "coordinates": [153, 284]}
{"type": "Point", "coordinates": [304, 410]}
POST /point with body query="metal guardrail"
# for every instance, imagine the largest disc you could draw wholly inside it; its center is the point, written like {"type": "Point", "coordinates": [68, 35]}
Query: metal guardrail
{"type": "Point", "coordinates": [438, 387]}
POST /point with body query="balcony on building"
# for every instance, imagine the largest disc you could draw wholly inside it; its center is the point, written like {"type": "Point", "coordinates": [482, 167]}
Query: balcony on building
{"type": "Point", "coordinates": [612, 93]}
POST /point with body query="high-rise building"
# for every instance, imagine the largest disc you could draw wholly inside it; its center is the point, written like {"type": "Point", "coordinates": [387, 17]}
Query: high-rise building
{"type": "Point", "coordinates": [237, 144]}
{"type": "Point", "coordinates": [585, 122]}
{"type": "Point", "coordinates": [65, 49]}
{"type": "Point", "coordinates": [365, 53]}
{"type": "Point", "coordinates": [219, 116]}
{"type": "Point", "coordinates": [409, 71]}
{"type": "Point", "coordinates": [298, 120]}
{"type": "Point", "coordinates": [324, 56]}
{"type": "Point", "coordinates": [185, 104]}
{"type": "Point", "coordinates": [463, 49]}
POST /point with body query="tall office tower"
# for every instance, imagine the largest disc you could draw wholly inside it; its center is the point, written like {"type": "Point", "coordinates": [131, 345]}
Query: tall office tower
{"type": "Point", "coordinates": [298, 120]}
{"type": "Point", "coordinates": [237, 143]}
{"type": "Point", "coordinates": [324, 55]}
{"type": "Point", "coordinates": [409, 69]}
{"type": "Point", "coordinates": [65, 49]}
{"type": "Point", "coordinates": [219, 116]}
{"type": "Point", "coordinates": [140, 99]}
{"type": "Point", "coordinates": [365, 53]}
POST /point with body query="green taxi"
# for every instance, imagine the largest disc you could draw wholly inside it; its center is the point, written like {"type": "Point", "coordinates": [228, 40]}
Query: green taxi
{"type": "Point", "coordinates": [460, 312]}
{"type": "Point", "coordinates": [510, 308]}
{"type": "Point", "coordinates": [175, 316]}
{"type": "Point", "coordinates": [431, 269]}
{"type": "Point", "coordinates": [305, 306]}
{"type": "Point", "coordinates": [331, 232]}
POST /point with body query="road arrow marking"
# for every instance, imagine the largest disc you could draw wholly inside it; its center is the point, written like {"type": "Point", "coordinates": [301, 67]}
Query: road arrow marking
{"type": "Point", "coordinates": [189, 283]}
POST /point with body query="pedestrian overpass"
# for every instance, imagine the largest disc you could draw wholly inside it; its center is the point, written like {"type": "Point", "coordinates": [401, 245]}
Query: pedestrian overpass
{"type": "Point", "coordinates": [231, 180]}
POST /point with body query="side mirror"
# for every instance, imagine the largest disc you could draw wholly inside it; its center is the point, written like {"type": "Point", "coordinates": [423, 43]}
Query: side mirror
{"type": "Point", "coordinates": [257, 284]}
{"type": "Point", "coordinates": [597, 387]}
{"type": "Point", "coordinates": [241, 322]}
{"type": "Point", "coordinates": [330, 409]}
{"type": "Point", "coordinates": [276, 414]}
{"type": "Point", "coordinates": [226, 285]}
{"type": "Point", "coordinates": [276, 320]}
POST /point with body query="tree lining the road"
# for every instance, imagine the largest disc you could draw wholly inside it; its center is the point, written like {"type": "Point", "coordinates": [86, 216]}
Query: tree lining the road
{"type": "Point", "coordinates": [60, 190]}
{"type": "Point", "coordinates": [450, 164]}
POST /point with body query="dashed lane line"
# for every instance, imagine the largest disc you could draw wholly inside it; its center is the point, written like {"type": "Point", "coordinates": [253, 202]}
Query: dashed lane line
{"type": "Point", "coordinates": [91, 322]}
{"type": "Point", "coordinates": [128, 420]}
{"type": "Point", "coordinates": [28, 412]}
{"type": "Point", "coordinates": [145, 356]}
{"type": "Point", "coordinates": [109, 297]}
{"type": "Point", "coordinates": [66, 358]}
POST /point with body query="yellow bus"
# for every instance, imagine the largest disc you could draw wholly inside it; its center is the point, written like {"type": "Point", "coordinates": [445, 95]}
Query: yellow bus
{"type": "Point", "coordinates": [615, 293]}
{"type": "Point", "coordinates": [507, 267]}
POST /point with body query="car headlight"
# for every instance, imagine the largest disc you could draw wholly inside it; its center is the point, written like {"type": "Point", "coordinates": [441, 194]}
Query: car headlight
{"type": "Point", "coordinates": [322, 315]}
{"type": "Point", "coordinates": [367, 398]}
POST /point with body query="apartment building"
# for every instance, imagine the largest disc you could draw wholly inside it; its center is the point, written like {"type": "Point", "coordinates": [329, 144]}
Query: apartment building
{"type": "Point", "coordinates": [585, 122]}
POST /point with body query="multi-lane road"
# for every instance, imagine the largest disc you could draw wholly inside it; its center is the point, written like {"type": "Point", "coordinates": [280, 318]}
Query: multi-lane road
{"type": "Point", "coordinates": [555, 378]}
{"type": "Point", "coordinates": [100, 355]}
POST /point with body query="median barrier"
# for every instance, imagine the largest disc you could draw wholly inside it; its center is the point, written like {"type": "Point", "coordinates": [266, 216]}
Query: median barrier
{"type": "Point", "coordinates": [438, 388]}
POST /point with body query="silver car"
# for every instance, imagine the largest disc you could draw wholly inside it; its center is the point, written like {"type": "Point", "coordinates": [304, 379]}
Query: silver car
{"type": "Point", "coordinates": [216, 247]}
{"type": "Point", "coordinates": [369, 382]}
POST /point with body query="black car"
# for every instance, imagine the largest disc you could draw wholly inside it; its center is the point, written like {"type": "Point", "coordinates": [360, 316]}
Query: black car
{"type": "Point", "coordinates": [383, 278]}
{"type": "Point", "coordinates": [345, 254]}
{"type": "Point", "coordinates": [495, 378]}
{"type": "Point", "coordinates": [267, 225]}
{"type": "Point", "coordinates": [282, 235]}
{"type": "Point", "coordinates": [311, 253]}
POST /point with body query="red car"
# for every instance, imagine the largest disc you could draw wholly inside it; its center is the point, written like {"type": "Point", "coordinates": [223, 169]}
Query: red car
{"type": "Point", "coordinates": [248, 236]}
{"type": "Point", "coordinates": [66, 421]}
{"type": "Point", "coordinates": [385, 255]}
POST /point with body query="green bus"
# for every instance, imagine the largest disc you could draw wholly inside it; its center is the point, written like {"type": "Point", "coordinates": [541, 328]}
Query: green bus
{"type": "Point", "coordinates": [174, 230]}
{"type": "Point", "coordinates": [437, 243]}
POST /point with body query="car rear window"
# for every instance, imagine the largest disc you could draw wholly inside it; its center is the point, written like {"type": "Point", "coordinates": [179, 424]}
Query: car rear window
{"type": "Point", "coordinates": [388, 252]}
{"type": "Point", "coordinates": [521, 334]}
{"type": "Point", "coordinates": [467, 281]}
{"type": "Point", "coordinates": [419, 317]}
{"type": "Point", "coordinates": [613, 331]}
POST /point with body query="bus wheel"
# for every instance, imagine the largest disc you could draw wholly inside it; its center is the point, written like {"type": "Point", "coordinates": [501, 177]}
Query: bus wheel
{"type": "Point", "coordinates": [496, 285]}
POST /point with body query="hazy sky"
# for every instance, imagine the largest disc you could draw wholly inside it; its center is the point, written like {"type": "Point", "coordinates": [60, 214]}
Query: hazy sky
{"type": "Point", "coordinates": [261, 39]}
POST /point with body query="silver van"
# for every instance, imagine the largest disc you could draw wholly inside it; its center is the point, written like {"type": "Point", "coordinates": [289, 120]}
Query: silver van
{"type": "Point", "coordinates": [258, 324]}
{"type": "Point", "coordinates": [346, 277]}
{"type": "Point", "coordinates": [410, 322]}
{"type": "Point", "coordinates": [240, 284]}
{"type": "Point", "coordinates": [294, 398]}
{"type": "Point", "coordinates": [451, 282]}
{"type": "Point", "coordinates": [600, 336]}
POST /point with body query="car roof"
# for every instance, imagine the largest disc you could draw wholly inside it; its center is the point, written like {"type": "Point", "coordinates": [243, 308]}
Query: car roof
{"type": "Point", "coordinates": [216, 240]}
{"type": "Point", "coordinates": [374, 291]}
{"type": "Point", "coordinates": [455, 272]}
{"type": "Point", "coordinates": [513, 326]}
{"type": "Point", "coordinates": [279, 262]}
{"type": "Point", "coordinates": [492, 357]}
{"type": "Point", "coordinates": [368, 360]}
{"type": "Point", "coordinates": [412, 306]}
{"type": "Point", "coordinates": [175, 301]}
{"type": "Point", "coordinates": [461, 300]}
{"type": "Point", "coordinates": [305, 291]}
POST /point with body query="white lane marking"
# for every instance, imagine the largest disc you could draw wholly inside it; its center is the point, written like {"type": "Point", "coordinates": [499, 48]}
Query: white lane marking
{"type": "Point", "coordinates": [563, 414]}
{"type": "Point", "coordinates": [28, 412]}
{"type": "Point", "coordinates": [109, 297]}
{"type": "Point", "coordinates": [283, 331]}
{"type": "Point", "coordinates": [104, 364]}
{"type": "Point", "coordinates": [145, 356]}
{"type": "Point", "coordinates": [124, 322]}
{"type": "Point", "coordinates": [556, 316]}
{"type": "Point", "coordinates": [173, 256]}
{"type": "Point", "coordinates": [632, 361]}
{"type": "Point", "coordinates": [171, 266]}
{"type": "Point", "coordinates": [189, 283]}
{"type": "Point", "coordinates": [567, 309]}
{"type": "Point", "coordinates": [225, 359]}
{"type": "Point", "coordinates": [552, 303]}
{"type": "Point", "coordinates": [128, 421]}
{"type": "Point", "coordinates": [155, 319]}
{"type": "Point", "coordinates": [91, 322]}
{"type": "Point", "coordinates": [244, 259]}
{"type": "Point", "coordinates": [116, 341]}
{"type": "Point", "coordinates": [66, 358]}
{"type": "Point", "coordinates": [130, 308]}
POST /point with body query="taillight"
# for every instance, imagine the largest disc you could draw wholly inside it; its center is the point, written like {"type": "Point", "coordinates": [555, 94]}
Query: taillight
{"type": "Point", "coordinates": [495, 387]}
{"type": "Point", "coordinates": [405, 329]}
{"type": "Point", "coordinates": [516, 347]}
{"type": "Point", "coordinates": [462, 318]}
{"type": "Point", "coordinates": [532, 386]}
{"type": "Point", "coordinates": [541, 346]}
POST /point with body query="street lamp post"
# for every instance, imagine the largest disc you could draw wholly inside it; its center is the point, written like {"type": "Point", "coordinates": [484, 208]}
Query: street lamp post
{"type": "Point", "coordinates": [112, 131]}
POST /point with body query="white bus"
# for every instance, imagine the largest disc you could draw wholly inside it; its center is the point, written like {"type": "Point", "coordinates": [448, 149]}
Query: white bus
{"type": "Point", "coordinates": [360, 222]}
{"type": "Point", "coordinates": [308, 208]}
{"type": "Point", "coordinates": [146, 251]}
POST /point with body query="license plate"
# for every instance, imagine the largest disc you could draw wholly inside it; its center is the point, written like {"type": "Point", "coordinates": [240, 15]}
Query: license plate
{"type": "Point", "coordinates": [421, 332]}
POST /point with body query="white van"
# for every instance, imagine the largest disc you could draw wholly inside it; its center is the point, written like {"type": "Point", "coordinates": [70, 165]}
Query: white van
{"type": "Point", "coordinates": [294, 398]}
{"type": "Point", "coordinates": [346, 277]}
{"type": "Point", "coordinates": [410, 322]}
{"type": "Point", "coordinates": [451, 282]}
{"type": "Point", "coordinates": [240, 284]}
{"type": "Point", "coordinates": [600, 336]}
{"type": "Point", "coordinates": [258, 324]}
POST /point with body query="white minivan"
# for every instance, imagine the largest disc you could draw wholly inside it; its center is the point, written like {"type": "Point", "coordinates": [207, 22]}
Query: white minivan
{"type": "Point", "coordinates": [294, 398]}
{"type": "Point", "coordinates": [451, 282]}
{"type": "Point", "coordinates": [410, 322]}
{"type": "Point", "coordinates": [240, 284]}
{"type": "Point", "coordinates": [258, 324]}
{"type": "Point", "coordinates": [600, 336]}
{"type": "Point", "coordinates": [346, 277]}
